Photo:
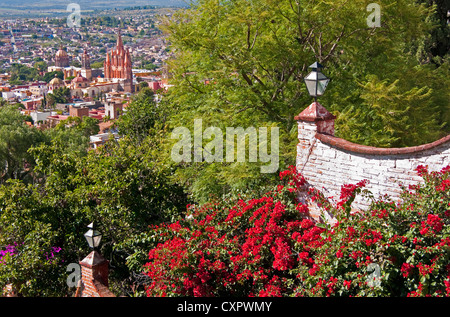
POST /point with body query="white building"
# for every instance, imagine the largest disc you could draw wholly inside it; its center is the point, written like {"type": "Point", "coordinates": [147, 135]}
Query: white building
{"type": "Point", "coordinates": [100, 139]}
{"type": "Point", "coordinates": [41, 116]}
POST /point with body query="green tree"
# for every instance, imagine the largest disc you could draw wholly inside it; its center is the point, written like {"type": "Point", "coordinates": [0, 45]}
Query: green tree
{"type": "Point", "coordinates": [15, 140]}
{"type": "Point", "coordinates": [242, 64]}
{"type": "Point", "coordinates": [97, 64]}
{"type": "Point", "coordinates": [21, 73]}
{"type": "Point", "coordinates": [60, 95]}
{"type": "Point", "coordinates": [392, 115]}
{"type": "Point", "coordinates": [3, 102]}
{"type": "Point", "coordinates": [142, 116]}
{"type": "Point", "coordinates": [73, 134]}
{"type": "Point", "coordinates": [49, 76]}
{"type": "Point", "coordinates": [41, 66]}
{"type": "Point", "coordinates": [50, 100]}
{"type": "Point", "coordinates": [30, 263]}
{"type": "Point", "coordinates": [436, 46]}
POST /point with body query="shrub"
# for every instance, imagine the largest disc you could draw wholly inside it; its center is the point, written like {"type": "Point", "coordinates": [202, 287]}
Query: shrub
{"type": "Point", "coordinates": [269, 246]}
{"type": "Point", "coordinates": [406, 242]}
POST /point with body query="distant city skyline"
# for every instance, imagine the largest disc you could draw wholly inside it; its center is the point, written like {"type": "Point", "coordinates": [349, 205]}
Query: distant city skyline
{"type": "Point", "coordinates": [39, 56]}
{"type": "Point", "coordinates": [85, 4]}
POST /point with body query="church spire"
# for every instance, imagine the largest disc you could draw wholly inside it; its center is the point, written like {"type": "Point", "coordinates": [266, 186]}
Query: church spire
{"type": "Point", "coordinates": [127, 59]}
{"type": "Point", "coordinates": [119, 41]}
{"type": "Point", "coordinates": [118, 64]}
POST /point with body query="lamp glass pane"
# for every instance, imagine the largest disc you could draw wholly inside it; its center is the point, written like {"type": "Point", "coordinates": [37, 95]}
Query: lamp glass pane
{"type": "Point", "coordinates": [93, 238]}
{"type": "Point", "coordinates": [321, 86]}
{"type": "Point", "coordinates": [89, 240]}
{"type": "Point", "coordinates": [316, 83]}
{"type": "Point", "coordinates": [311, 85]}
{"type": "Point", "coordinates": [96, 240]}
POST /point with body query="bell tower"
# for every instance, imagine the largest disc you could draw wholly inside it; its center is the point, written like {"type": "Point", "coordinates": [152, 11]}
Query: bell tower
{"type": "Point", "coordinates": [86, 65]}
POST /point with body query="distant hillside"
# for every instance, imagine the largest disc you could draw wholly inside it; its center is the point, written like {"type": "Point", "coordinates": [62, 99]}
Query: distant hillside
{"type": "Point", "coordinates": [85, 4]}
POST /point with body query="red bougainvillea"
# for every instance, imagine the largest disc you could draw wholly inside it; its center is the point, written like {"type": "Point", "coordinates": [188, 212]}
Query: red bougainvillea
{"type": "Point", "coordinates": [269, 246]}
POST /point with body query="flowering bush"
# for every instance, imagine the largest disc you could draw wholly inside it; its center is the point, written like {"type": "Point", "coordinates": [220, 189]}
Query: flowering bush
{"type": "Point", "coordinates": [27, 268]}
{"type": "Point", "coordinates": [9, 250]}
{"type": "Point", "coordinates": [407, 241]}
{"type": "Point", "coordinates": [269, 246]}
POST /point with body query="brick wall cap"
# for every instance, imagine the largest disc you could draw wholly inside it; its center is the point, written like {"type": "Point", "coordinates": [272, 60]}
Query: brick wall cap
{"type": "Point", "coordinates": [93, 259]}
{"type": "Point", "coordinates": [364, 149]}
{"type": "Point", "coordinates": [315, 112]}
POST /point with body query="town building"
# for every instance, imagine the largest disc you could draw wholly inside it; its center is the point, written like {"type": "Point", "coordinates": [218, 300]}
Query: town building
{"type": "Point", "coordinates": [55, 83]}
{"type": "Point", "coordinates": [118, 67]}
{"type": "Point", "coordinates": [86, 70]}
{"type": "Point", "coordinates": [62, 58]}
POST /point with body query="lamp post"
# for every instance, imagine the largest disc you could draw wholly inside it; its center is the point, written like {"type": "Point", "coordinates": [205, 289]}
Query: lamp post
{"type": "Point", "coordinates": [94, 269]}
{"type": "Point", "coordinates": [93, 237]}
{"type": "Point", "coordinates": [315, 81]}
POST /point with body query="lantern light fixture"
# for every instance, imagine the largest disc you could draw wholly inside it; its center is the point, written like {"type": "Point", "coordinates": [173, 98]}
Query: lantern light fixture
{"type": "Point", "coordinates": [315, 81]}
{"type": "Point", "coordinates": [93, 237]}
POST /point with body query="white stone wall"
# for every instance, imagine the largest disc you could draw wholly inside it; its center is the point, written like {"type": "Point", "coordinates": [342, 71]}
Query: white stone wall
{"type": "Point", "coordinates": [327, 167]}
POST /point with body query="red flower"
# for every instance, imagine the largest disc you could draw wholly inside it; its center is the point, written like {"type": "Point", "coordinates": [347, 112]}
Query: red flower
{"type": "Point", "coordinates": [282, 253]}
{"type": "Point", "coordinates": [433, 224]}
{"type": "Point", "coordinates": [406, 269]}
{"type": "Point", "coordinates": [425, 269]}
{"type": "Point", "coordinates": [447, 286]}
{"type": "Point", "coordinates": [302, 208]}
{"type": "Point", "coordinates": [307, 223]}
{"type": "Point", "coordinates": [272, 289]}
{"type": "Point", "coordinates": [347, 284]}
{"type": "Point", "coordinates": [303, 255]}
{"type": "Point", "coordinates": [444, 185]}
{"type": "Point", "coordinates": [312, 271]}
{"type": "Point", "coordinates": [348, 191]}
{"type": "Point", "coordinates": [422, 170]}
{"type": "Point", "coordinates": [445, 169]}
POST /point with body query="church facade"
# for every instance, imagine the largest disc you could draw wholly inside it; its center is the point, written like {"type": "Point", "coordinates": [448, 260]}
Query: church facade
{"type": "Point", "coordinates": [117, 66]}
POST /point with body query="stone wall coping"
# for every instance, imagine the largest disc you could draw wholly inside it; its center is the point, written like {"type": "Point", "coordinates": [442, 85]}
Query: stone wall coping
{"type": "Point", "coordinates": [364, 149]}
{"type": "Point", "coordinates": [314, 119]}
{"type": "Point", "coordinates": [315, 112]}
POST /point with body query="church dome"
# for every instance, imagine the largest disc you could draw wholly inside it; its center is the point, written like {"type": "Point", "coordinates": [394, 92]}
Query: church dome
{"type": "Point", "coordinates": [61, 53]}
{"type": "Point", "coordinates": [56, 81]}
{"type": "Point", "coordinates": [61, 58]}
{"type": "Point", "coordinates": [79, 79]}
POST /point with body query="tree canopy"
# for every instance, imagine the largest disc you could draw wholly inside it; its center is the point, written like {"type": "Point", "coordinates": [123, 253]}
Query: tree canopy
{"type": "Point", "coordinates": [16, 138]}
{"type": "Point", "coordinates": [242, 63]}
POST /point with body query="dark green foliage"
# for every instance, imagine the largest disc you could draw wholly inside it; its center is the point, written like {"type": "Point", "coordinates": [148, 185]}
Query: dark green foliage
{"type": "Point", "coordinates": [49, 76]}
{"type": "Point", "coordinates": [21, 74]}
{"type": "Point", "coordinates": [15, 140]}
{"type": "Point", "coordinates": [242, 64]}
